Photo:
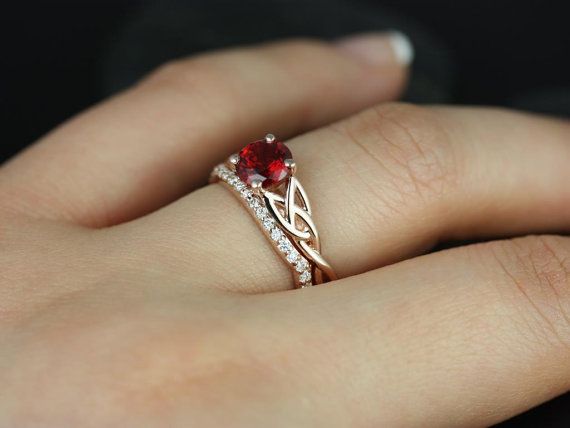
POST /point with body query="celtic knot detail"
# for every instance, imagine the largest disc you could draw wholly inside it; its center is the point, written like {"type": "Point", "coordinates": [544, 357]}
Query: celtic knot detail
{"type": "Point", "coordinates": [293, 212]}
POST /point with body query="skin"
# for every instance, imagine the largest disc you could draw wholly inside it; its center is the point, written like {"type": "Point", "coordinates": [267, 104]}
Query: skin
{"type": "Point", "coordinates": [132, 294]}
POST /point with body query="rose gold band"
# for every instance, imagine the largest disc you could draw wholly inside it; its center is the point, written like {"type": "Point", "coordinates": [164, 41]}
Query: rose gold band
{"type": "Point", "coordinates": [284, 215]}
{"type": "Point", "coordinates": [301, 268]}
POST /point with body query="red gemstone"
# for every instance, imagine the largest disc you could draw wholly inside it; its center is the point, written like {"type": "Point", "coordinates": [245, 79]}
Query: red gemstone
{"type": "Point", "coordinates": [264, 161]}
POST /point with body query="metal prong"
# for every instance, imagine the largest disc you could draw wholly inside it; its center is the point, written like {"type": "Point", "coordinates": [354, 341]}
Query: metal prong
{"type": "Point", "coordinates": [270, 138]}
{"type": "Point", "coordinates": [234, 159]}
{"type": "Point", "coordinates": [256, 186]}
{"type": "Point", "coordinates": [290, 165]}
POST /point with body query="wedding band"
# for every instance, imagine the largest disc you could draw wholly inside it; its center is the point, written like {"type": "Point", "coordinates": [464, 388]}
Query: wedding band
{"type": "Point", "coordinates": [262, 175]}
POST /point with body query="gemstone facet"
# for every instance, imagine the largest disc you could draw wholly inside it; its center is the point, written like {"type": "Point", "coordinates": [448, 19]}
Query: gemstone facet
{"type": "Point", "coordinates": [264, 161]}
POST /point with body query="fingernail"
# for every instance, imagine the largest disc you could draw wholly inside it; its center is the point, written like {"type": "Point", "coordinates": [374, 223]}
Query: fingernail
{"type": "Point", "coordinates": [379, 48]}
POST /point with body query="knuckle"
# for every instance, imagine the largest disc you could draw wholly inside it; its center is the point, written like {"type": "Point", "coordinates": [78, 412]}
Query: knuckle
{"type": "Point", "coordinates": [410, 145]}
{"type": "Point", "coordinates": [538, 270]}
{"type": "Point", "coordinates": [203, 80]}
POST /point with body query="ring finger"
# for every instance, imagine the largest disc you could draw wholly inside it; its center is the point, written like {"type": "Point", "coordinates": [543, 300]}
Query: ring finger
{"type": "Point", "coordinates": [385, 184]}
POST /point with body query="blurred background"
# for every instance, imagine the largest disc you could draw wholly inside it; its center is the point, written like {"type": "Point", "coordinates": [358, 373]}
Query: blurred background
{"type": "Point", "coordinates": [59, 57]}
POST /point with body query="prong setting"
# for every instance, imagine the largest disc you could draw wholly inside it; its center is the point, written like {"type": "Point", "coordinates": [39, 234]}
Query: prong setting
{"type": "Point", "coordinates": [262, 174]}
{"type": "Point", "coordinates": [234, 159]}
{"type": "Point", "coordinates": [295, 257]}
{"type": "Point", "coordinates": [291, 166]}
{"type": "Point", "coordinates": [257, 186]}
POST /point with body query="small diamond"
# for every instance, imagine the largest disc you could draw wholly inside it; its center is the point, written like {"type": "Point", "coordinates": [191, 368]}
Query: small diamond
{"type": "Point", "coordinates": [253, 203]}
{"type": "Point", "coordinates": [268, 223]}
{"type": "Point", "coordinates": [284, 245]}
{"type": "Point", "coordinates": [239, 186]}
{"type": "Point", "coordinates": [246, 193]}
{"type": "Point", "coordinates": [302, 265]}
{"type": "Point", "coordinates": [233, 180]}
{"type": "Point", "coordinates": [305, 277]}
{"type": "Point", "coordinates": [261, 212]}
{"type": "Point", "coordinates": [292, 256]}
{"type": "Point", "coordinates": [276, 234]}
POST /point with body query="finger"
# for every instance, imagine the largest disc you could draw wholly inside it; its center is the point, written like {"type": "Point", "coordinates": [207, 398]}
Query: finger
{"type": "Point", "coordinates": [158, 140]}
{"type": "Point", "coordinates": [385, 185]}
{"type": "Point", "coordinates": [465, 337]}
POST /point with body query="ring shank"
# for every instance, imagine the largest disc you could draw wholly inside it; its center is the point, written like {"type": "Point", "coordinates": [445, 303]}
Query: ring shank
{"type": "Point", "coordinates": [302, 269]}
{"type": "Point", "coordinates": [283, 213]}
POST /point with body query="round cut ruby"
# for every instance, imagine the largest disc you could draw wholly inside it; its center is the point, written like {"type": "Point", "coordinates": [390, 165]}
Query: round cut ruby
{"type": "Point", "coordinates": [264, 161]}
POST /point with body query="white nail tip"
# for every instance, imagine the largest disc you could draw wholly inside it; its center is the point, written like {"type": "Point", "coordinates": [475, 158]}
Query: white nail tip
{"type": "Point", "coordinates": [402, 46]}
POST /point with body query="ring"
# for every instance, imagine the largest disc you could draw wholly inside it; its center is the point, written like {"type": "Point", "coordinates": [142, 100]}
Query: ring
{"type": "Point", "coordinates": [262, 175]}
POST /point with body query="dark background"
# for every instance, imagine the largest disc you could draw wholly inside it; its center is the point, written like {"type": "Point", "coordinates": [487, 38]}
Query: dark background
{"type": "Point", "coordinates": [59, 57]}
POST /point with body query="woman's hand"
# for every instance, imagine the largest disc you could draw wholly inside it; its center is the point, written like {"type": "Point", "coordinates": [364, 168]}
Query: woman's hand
{"type": "Point", "coordinates": [131, 295]}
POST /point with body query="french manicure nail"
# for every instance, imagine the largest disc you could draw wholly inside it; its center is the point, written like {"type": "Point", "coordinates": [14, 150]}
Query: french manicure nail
{"type": "Point", "coordinates": [379, 48]}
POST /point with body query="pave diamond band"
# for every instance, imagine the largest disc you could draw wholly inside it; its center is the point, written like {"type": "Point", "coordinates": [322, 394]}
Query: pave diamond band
{"type": "Point", "coordinates": [262, 175]}
{"type": "Point", "coordinates": [299, 265]}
